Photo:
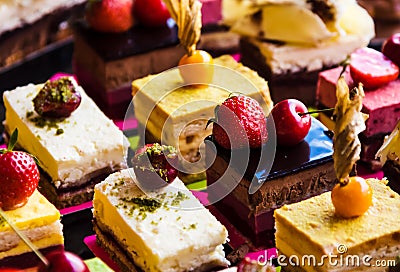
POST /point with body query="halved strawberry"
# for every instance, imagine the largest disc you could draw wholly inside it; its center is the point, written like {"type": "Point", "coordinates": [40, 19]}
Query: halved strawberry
{"type": "Point", "coordinates": [19, 176]}
{"type": "Point", "coordinates": [154, 165]}
{"type": "Point", "coordinates": [240, 122]}
{"type": "Point", "coordinates": [372, 68]}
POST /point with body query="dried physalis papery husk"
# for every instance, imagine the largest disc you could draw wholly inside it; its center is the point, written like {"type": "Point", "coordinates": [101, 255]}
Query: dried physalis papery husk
{"type": "Point", "coordinates": [187, 15]}
{"type": "Point", "coordinates": [349, 122]}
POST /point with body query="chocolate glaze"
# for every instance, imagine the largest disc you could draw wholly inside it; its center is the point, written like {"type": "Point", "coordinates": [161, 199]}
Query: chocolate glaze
{"type": "Point", "coordinates": [137, 40]}
{"type": "Point", "coordinates": [315, 149]}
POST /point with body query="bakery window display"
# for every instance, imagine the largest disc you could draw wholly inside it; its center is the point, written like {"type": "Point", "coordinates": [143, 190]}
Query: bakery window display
{"type": "Point", "coordinates": [353, 228]}
{"type": "Point", "coordinates": [315, 35]}
{"type": "Point", "coordinates": [56, 125]}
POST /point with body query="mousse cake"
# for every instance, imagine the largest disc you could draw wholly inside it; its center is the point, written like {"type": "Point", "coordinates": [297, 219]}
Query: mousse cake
{"type": "Point", "coordinates": [311, 228]}
{"type": "Point", "coordinates": [389, 154]}
{"type": "Point", "coordinates": [30, 26]}
{"type": "Point", "coordinates": [75, 152]}
{"type": "Point", "coordinates": [315, 35]}
{"type": "Point", "coordinates": [164, 229]}
{"type": "Point", "coordinates": [39, 220]}
{"type": "Point", "coordinates": [176, 114]}
{"type": "Point", "coordinates": [294, 174]}
{"type": "Point", "coordinates": [382, 104]}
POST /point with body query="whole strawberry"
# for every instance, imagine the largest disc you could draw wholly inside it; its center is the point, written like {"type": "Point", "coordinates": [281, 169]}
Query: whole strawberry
{"type": "Point", "coordinates": [240, 122]}
{"type": "Point", "coordinates": [19, 176]}
{"type": "Point", "coordinates": [154, 165]}
{"type": "Point", "coordinates": [110, 15]}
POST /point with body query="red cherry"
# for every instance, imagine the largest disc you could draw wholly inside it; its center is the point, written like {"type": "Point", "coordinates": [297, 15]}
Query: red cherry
{"type": "Point", "coordinates": [391, 48]}
{"type": "Point", "coordinates": [151, 13]}
{"type": "Point", "coordinates": [291, 128]}
{"type": "Point", "coordinates": [63, 261]}
{"type": "Point", "coordinates": [372, 68]}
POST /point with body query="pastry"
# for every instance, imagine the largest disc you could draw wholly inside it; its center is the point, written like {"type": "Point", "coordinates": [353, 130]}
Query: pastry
{"type": "Point", "coordinates": [40, 221]}
{"type": "Point", "coordinates": [311, 229]}
{"type": "Point", "coordinates": [382, 104]}
{"type": "Point", "coordinates": [164, 229]}
{"type": "Point", "coordinates": [315, 35]}
{"type": "Point", "coordinates": [177, 115]}
{"type": "Point", "coordinates": [29, 26]}
{"type": "Point", "coordinates": [293, 174]}
{"type": "Point", "coordinates": [74, 152]}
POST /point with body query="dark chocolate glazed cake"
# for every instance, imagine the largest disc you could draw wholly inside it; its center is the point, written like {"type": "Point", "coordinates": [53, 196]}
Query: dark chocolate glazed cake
{"type": "Point", "coordinates": [295, 174]}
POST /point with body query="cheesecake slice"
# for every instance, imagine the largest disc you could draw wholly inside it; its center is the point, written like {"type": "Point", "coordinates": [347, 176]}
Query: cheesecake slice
{"type": "Point", "coordinates": [310, 233]}
{"type": "Point", "coordinates": [74, 153]}
{"type": "Point", "coordinates": [39, 220]}
{"type": "Point", "coordinates": [177, 115]}
{"type": "Point", "coordinates": [167, 229]}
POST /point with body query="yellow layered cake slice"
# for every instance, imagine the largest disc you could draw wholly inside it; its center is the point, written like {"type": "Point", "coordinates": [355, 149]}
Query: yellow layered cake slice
{"type": "Point", "coordinates": [74, 153]}
{"type": "Point", "coordinates": [39, 220]}
{"type": "Point", "coordinates": [166, 229]}
{"type": "Point", "coordinates": [176, 114]}
{"type": "Point", "coordinates": [310, 237]}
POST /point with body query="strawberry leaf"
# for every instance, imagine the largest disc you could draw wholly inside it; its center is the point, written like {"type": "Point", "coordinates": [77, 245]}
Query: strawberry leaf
{"type": "Point", "coordinates": [13, 140]}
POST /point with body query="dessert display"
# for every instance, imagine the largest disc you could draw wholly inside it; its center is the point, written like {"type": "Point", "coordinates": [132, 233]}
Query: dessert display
{"type": "Point", "coordinates": [75, 143]}
{"type": "Point", "coordinates": [314, 36]}
{"type": "Point", "coordinates": [381, 102]}
{"type": "Point", "coordinates": [30, 26]}
{"type": "Point", "coordinates": [337, 229]}
{"type": "Point", "coordinates": [388, 155]}
{"type": "Point", "coordinates": [259, 178]}
{"type": "Point", "coordinates": [162, 229]}
{"type": "Point", "coordinates": [26, 208]}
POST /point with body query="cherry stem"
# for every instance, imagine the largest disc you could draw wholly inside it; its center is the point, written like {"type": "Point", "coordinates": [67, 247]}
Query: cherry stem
{"type": "Point", "coordinates": [315, 111]}
{"type": "Point", "coordinates": [24, 238]}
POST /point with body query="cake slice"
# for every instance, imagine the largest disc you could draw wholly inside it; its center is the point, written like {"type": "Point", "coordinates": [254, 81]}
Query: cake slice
{"type": "Point", "coordinates": [39, 220]}
{"type": "Point", "coordinates": [381, 104]}
{"type": "Point", "coordinates": [323, 33]}
{"type": "Point", "coordinates": [176, 114]}
{"type": "Point", "coordinates": [310, 232]}
{"type": "Point", "coordinates": [74, 153]}
{"type": "Point", "coordinates": [166, 229]}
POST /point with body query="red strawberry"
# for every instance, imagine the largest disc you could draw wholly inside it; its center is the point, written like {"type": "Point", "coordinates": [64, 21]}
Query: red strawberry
{"type": "Point", "coordinates": [155, 159]}
{"type": "Point", "coordinates": [240, 122]}
{"type": "Point", "coordinates": [19, 176]}
{"type": "Point", "coordinates": [110, 15]}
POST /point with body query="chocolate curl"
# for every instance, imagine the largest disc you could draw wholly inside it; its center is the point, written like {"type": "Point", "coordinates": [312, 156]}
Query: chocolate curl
{"type": "Point", "coordinates": [349, 122]}
{"type": "Point", "coordinates": [187, 15]}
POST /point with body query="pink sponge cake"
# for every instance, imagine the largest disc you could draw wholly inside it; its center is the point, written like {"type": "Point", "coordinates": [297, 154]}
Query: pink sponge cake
{"type": "Point", "coordinates": [382, 104]}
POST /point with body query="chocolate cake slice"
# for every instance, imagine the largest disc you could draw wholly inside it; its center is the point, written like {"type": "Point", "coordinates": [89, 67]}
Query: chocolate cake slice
{"type": "Point", "coordinates": [292, 175]}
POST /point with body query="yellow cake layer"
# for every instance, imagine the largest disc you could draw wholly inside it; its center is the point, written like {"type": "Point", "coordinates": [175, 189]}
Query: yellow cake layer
{"type": "Point", "coordinates": [178, 235]}
{"type": "Point", "coordinates": [37, 212]}
{"type": "Point", "coordinates": [310, 227]}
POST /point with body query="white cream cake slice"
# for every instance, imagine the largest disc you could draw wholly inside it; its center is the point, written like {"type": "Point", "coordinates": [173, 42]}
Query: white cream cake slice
{"type": "Point", "coordinates": [166, 229]}
{"type": "Point", "coordinates": [72, 152]}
